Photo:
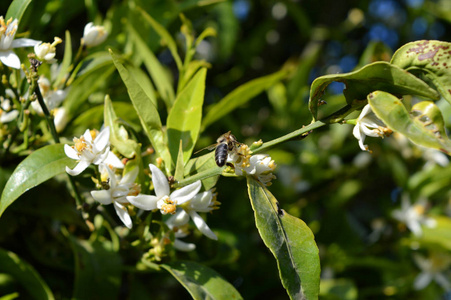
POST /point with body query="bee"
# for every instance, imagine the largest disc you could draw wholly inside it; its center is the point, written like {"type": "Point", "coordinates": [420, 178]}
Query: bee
{"type": "Point", "coordinates": [225, 144]}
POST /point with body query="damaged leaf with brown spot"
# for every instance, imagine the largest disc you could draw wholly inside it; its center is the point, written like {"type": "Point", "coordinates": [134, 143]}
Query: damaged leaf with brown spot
{"type": "Point", "coordinates": [429, 58]}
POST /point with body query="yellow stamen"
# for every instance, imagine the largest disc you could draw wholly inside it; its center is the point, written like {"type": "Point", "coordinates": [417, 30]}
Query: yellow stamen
{"type": "Point", "coordinates": [80, 144]}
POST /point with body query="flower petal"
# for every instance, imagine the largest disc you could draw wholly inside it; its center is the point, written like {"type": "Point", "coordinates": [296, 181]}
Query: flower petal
{"type": "Point", "coordinates": [123, 214]}
{"type": "Point", "coordinates": [422, 280]}
{"type": "Point", "coordinates": [186, 193]}
{"type": "Point", "coordinates": [182, 246]}
{"type": "Point", "coordinates": [19, 43]}
{"type": "Point", "coordinates": [102, 196]}
{"type": "Point", "coordinates": [145, 202]}
{"type": "Point", "coordinates": [113, 160]}
{"type": "Point", "coordinates": [130, 176]}
{"type": "Point", "coordinates": [180, 218]}
{"type": "Point", "coordinates": [71, 152]}
{"type": "Point", "coordinates": [80, 167]}
{"type": "Point", "coordinates": [102, 140]}
{"type": "Point", "coordinates": [202, 226]}
{"type": "Point", "coordinates": [10, 59]}
{"type": "Point", "coordinates": [160, 182]}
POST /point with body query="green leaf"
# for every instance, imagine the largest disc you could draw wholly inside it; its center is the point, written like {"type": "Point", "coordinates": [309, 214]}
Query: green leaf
{"type": "Point", "coordinates": [423, 127]}
{"type": "Point", "coordinates": [185, 116]}
{"type": "Point", "coordinates": [97, 269]}
{"type": "Point", "coordinates": [240, 96]}
{"type": "Point", "coordinates": [24, 273]}
{"type": "Point", "coordinates": [38, 167]}
{"type": "Point", "coordinates": [431, 58]}
{"type": "Point", "coordinates": [156, 70]}
{"type": "Point", "coordinates": [290, 240]}
{"type": "Point", "coordinates": [438, 235]}
{"type": "Point", "coordinates": [165, 36]}
{"type": "Point", "coordinates": [16, 9]}
{"type": "Point", "coordinates": [200, 281]}
{"type": "Point", "coordinates": [376, 76]}
{"type": "Point", "coordinates": [118, 135]}
{"type": "Point", "coordinates": [147, 112]}
{"type": "Point", "coordinates": [180, 165]}
{"type": "Point", "coordinates": [87, 83]}
{"type": "Point", "coordinates": [201, 164]}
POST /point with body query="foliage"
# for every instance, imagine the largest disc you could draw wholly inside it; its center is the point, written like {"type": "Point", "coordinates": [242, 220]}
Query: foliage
{"type": "Point", "coordinates": [111, 141]}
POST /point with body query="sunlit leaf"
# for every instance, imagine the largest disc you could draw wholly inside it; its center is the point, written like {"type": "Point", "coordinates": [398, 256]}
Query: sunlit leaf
{"type": "Point", "coordinates": [185, 116]}
{"type": "Point", "coordinates": [203, 164]}
{"type": "Point", "coordinates": [424, 126]}
{"type": "Point", "coordinates": [24, 273]}
{"type": "Point", "coordinates": [38, 167]}
{"type": "Point", "coordinates": [147, 112]}
{"type": "Point", "coordinates": [431, 58]}
{"type": "Point", "coordinates": [240, 96]}
{"type": "Point", "coordinates": [16, 9]}
{"type": "Point", "coordinates": [200, 281]}
{"type": "Point", "coordinates": [67, 61]}
{"type": "Point", "coordinates": [376, 76]}
{"type": "Point", "coordinates": [290, 240]}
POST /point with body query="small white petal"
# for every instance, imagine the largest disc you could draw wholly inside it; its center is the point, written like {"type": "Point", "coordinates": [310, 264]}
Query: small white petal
{"type": "Point", "coordinates": [145, 202]}
{"type": "Point", "coordinates": [102, 140]}
{"type": "Point", "coordinates": [422, 281]}
{"type": "Point", "coordinates": [70, 152]}
{"type": "Point", "coordinates": [442, 280]}
{"type": "Point", "coordinates": [113, 160]}
{"type": "Point", "coordinates": [186, 193]}
{"type": "Point", "coordinates": [160, 182]}
{"type": "Point", "coordinates": [102, 196]}
{"type": "Point", "coordinates": [180, 218]}
{"type": "Point", "coordinates": [80, 167]}
{"type": "Point", "coordinates": [202, 226]}
{"type": "Point", "coordinates": [10, 59]}
{"type": "Point", "coordinates": [123, 214]}
{"type": "Point", "coordinates": [182, 246]}
{"type": "Point", "coordinates": [6, 117]}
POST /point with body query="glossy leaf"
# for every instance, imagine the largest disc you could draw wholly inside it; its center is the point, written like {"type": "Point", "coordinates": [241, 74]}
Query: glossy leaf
{"type": "Point", "coordinates": [376, 76]}
{"type": "Point", "coordinates": [97, 269]}
{"type": "Point", "coordinates": [200, 281]}
{"type": "Point", "coordinates": [24, 273]}
{"type": "Point", "coordinates": [38, 167]}
{"type": "Point", "coordinates": [290, 240]}
{"type": "Point", "coordinates": [240, 96]}
{"type": "Point", "coordinates": [424, 127]}
{"type": "Point", "coordinates": [16, 9]}
{"type": "Point", "coordinates": [438, 235]}
{"type": "Point", "coordinates": [147, 112]}
{"type": "Point", "coordinates": [155, 68]}
{"type": "Point", "coordinates": [431, 58]}
{"type": "Point", "coordinates": [185, 116]}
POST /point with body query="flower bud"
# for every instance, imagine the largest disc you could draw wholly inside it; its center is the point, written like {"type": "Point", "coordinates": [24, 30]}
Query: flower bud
{"type": "Point", "coordinates": [93, 35]}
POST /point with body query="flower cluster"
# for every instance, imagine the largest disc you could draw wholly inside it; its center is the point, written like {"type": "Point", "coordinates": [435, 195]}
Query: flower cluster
{"type": "Point", "coordinates": [259, 166]}
{"type": "Point", "coordinates": [413, 215]}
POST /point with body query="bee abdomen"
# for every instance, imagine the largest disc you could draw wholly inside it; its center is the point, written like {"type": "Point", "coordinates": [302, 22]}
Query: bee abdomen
{"type": "Point", "coordinates": [221, 154]}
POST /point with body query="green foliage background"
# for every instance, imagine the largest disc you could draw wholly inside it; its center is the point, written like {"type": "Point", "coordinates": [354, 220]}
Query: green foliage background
{"type": "Point", "coordinates": [325, 179]}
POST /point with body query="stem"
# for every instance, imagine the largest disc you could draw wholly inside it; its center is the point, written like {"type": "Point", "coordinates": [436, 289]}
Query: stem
{"type": "Point", "coordinates": [199, 176]}
{"type": "Point", "coordinates": [56, 139]}
{"type": "Point", "coordinates": [290, 136]}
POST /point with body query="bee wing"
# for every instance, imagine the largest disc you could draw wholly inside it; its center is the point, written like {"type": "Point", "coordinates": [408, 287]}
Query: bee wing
{"type": "Point", "coordinates": [211, 147]}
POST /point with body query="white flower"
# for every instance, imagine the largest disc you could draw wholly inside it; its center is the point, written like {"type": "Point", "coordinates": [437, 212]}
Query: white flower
{"type": "Point", "coordinates": [116, 192]}
{"type": "Point", "coordinates": [92, 148]}
{"type": "Point", "coordinates": [181, 232]}
{"type": "Point", "coordinates": [7, 42]}
{"type": "Point", "coordinates": [163, 200]}
{"type": "Point", "coordinates": [413, 215]}
{"type": "Point", "coordinates": [6, 113]}
{"type": "Point", "coordinates": [432, 268]}
{"type": "Point", "coordinates": [202, 202]}
{"type": "Point", "coordinates": [52, 97]}
{"type": "Point", "coordinates": [368, 124]}
{"type": "Point", "coordinates": [61, 118]}
{"type": "Point", "coordinates": [47, 51]}
{"type": "Point", "coordinates": [93, 35]}
{"type": "Point", "coordinates": [260, 165]}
